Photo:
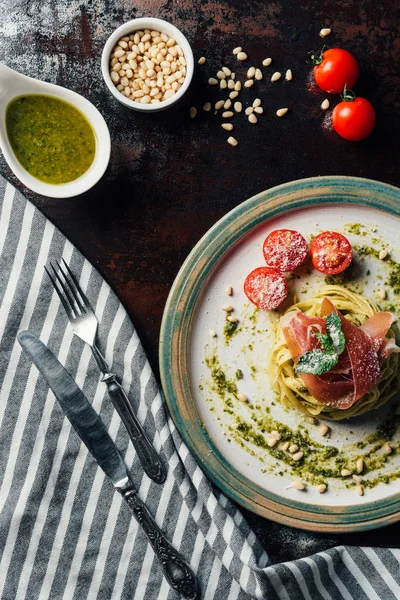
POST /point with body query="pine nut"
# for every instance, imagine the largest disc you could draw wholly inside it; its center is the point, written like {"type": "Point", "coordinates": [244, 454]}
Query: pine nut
{"type": "Point", "coordinates": [381, 294]}
{"type": "Point", "coordinates": [227, 308]}
{"type": "Point", "coordinates": [242, 397]}
{"type": "Point", "coordinates": [249, 83]}
{"type": "Point", "coordinates": [387, 448]}
{"type": "Point", "coordinates": [257, 102]}
{"type": "Point", "coordinates": [218, 104]}
{"type": "Point", "coordinates": [312, 420]}
{"type": "Point", "coordinates": [221, 75]}
{"type": "Point", "coordinates": [321, 488]}
{"type": "Point", "coordinates": [119, 53]}
{"type": "Point", "coordinates": [241, 56]}
{"type": "Point", "coordinates": [324, 429]}
{"type": "Point", "coordinates": [298, 456]}
{"type": "Point", "coordinates": [228, 289]}
{"type": "Point", "coordinates": [285, 446]}
{"type": "Point", "coordinates": [228, 103]}
{"type": "Point", "coordinates": [212, 81]}
{"type": "Point", "coordinates": [231, 84]}
{"type": "Point", "coordinates": [236, 50]}
{"type": "Point", "coordinates": [383, 254]}
{"type": "Point", "coordinates": [360, 490]}
{"type": "Point", "coordinates": [222, 84]}
{"type": "Point", "coordinates": [207, 107]}
{"type": "Point", "coordinates": [227, 126]}
{"type": "Point", "coordinates": [232, 319]}
{"type": "Point", "coordinates": [252, 118]}
{"type": "Point", "coordinates": [276, 435]}
{"type": "Point", "coordinates": [272, 442]}
{"type": "Point", "coordinates": [238, 86]}
{"type": "Point", "coordinates": [293, 448]}
{"type": "Point", "coordinates": [266, 62]}
{"type": "Point", "coordinates": [357, 478]}
{"type": "Point", "coordinates": [248, 110]}
{"type": "Point", "coordinates": [212, 333]}
{"type": "Point", "coordinates": [299, 485]}
{"type": "Point", "coordinates": [258, 75]}
{"type": "Point", "coordinates": [233, 95]}
{"type": "Point", "coordinates": [227, 71]}
{"type": "Point", "coordinates": [232, 141]}
{"type": "Point", "coordinates": [202, 60]}
{"type": "Point", "coordinates": [238, 107]}
{"type": "Point", "coordinates": [251, 72]}
{"type": "Point", "coordinates": [227, 114]}
{"type": "Point", "coordinates": [360, 465]}
{"type": "Point", "coordinates": [325, 104]}
{"type": "Point", "coordinates": [193, 112]}
{"type": "Point", "coordinates": [324, 32]}
{"type": "Point", "coordinates": [114, 76]}
{"type": "Point", "coordinates": [276, 76]}
{"type": "Point", "coordinates": [288, 75]}
{"type": "Point", "coordinates": [345, 472]}
{"type": "Point", "coordinates": [259, 110]}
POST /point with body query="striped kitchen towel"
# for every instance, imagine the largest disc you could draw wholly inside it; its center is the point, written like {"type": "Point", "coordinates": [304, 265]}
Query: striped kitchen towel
{"type": "Point", "coordinates": [64, 532]}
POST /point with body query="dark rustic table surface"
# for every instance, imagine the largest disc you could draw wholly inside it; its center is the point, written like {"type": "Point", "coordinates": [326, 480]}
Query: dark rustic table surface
{"type": "Point", "coordinates": [170, 178]}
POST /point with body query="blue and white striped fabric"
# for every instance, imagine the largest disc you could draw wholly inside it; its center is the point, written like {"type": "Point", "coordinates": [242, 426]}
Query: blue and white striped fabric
{"type": "Point", "coordinates": [64, 533]}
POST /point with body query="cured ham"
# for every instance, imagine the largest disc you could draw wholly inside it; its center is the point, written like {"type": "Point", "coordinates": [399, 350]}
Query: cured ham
{"type": "Point", "coordinates": [358, 368]}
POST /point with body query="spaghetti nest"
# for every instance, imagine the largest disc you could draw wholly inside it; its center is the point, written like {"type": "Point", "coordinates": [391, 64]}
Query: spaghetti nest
{"type": "Point", "coordinates": [289, 385]}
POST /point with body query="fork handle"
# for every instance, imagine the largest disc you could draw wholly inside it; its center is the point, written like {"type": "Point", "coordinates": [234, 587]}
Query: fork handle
{"type": "Point", "coordinates": [146, 452]}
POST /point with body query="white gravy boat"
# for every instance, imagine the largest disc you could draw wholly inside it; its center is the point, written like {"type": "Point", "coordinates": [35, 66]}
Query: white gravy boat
{"type": "Point", "coordinates": [12, 85]}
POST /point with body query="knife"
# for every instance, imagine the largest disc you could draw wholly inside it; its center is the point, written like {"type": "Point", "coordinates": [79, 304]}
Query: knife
{"type": "Point", "coordinates": [91, 429]}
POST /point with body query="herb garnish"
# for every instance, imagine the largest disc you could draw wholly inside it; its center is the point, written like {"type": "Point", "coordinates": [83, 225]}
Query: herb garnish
{"type": "Point", "coordinates": [333, 343]}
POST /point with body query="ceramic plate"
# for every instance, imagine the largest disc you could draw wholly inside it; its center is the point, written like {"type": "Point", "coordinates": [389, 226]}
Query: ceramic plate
{"type": "Point", "coordinates": [192, 332]}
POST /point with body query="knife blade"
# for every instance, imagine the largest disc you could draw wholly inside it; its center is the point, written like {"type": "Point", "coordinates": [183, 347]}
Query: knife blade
{"type": "Point", "coordinates": [91, 429]}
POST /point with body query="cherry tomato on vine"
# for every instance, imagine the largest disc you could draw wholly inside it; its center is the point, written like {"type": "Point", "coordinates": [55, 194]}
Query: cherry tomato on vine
{"type": "Point", "coordinates": [331, 252]}
{"type": "Point", "coordinates": [265, 288]}
{"type": "Point", "coordinates": [353, 118]}
{"type": "Point", "coordinates": [334, 70]}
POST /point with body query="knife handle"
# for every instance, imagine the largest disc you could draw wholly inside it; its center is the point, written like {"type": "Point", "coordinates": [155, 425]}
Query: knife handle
{"type": "Point", "coordinates": [177, 572]}
{"type": "Point", "coordinates": [148, 457]}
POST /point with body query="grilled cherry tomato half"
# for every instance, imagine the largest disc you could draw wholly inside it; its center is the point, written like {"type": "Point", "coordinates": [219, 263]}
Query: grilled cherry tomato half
{"type": "Point", "coordinates": [331, 252]}
{"type": "Point", "coordinates": [334, 69]}
{"type": "Point", "coordinates": [265, 288]}
{"type": "Point", "coordinates": [354, 118]}
{"type": "Point", "coordinates": [285, 250]}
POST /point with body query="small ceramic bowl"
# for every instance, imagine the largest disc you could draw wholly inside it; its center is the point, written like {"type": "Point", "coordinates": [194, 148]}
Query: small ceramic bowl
{"type": "Point", "coordinates": [154, 25]}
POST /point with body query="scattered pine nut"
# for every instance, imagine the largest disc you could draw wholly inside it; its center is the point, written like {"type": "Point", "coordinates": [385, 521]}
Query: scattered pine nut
{"type": "Point", "coordinates": [266, 62]}
{"type": "Point", "coordinates": [222, 84]}
{"type": "Point", "coordinates": [241, 56]}
{"type": "Point", "coordinates": [276, 76]}
{"type": "Point", "coordinates": [233, 75]}
{"type": "Point", "coordinates": [357, 478]}
{"type": "Point", "coordinates": [387, 448]}
{"type": "Point", "coordinates": [285, 446]}
{"type": "Point", "coordinates": [293, 448]}
{"type": "Point", "coordinates": [324, 32]}
{"type": "Point", "coordinates": [324, 429]}
{"type": "Point", "coordinates": [221, 75]}
{"type": "Point", "coordinates": [228, 103]}
{"type": "Point", "coordinates": [345, 472]}
{"type": "Point", "coordinates": [249, 110]}
{"type": "Point", "coordinates": [288, 75]}
{"type": "Point", "coordinates": [202, 60]}
{"type": "Point", "coordinates": [299, 485]}
{"type": "Point", "coordinates": [257, 102]}
{"type": "Point", "coordinates": [281, 112]}
{"type": "Point", "coordinates": [219, 104]}
{"type": "Point", "coordinates": [213, 81]}
{"type": "Point", "coordinates": [360, 490]}
{"type": "Point", "coordinates": [381, 294]}
{"type": "Point", "coordinates": [312, 420]}
{"type": "Point", "coordinates": [227, 126]}
{"type": "Point", "coordinates": [251, 72]}
{"type": "Point", "coordinates": [238, 86]}
{"type": "Point", "coordinates": [213, 333]}
{"type": "Point", "coordinates": [252, 118]}
{"type": "Point", "coordinates": [233, 95]}
{"type": "Point", "coordinates": [298, 456]}
{"type": "Point", "coordinates": [321, 488]}
{"type": "Point", "coordinates": [232, 319]}
{"type": "Point", "coordinates": [228, 290]}
{"type": "Point", "coordinates": [207, 106]}
{"type": "Point", "coordinates": [231, 84]}
{"type": "Point", "coordinates": [238, 107]}
{"type": "Point", "coordinates": [272, 442]}
{"type": "Point", "coordinates": [360, 465]}
{"type": "Point", "coordinates": [227, 71]}
{"type": "Point", "coordinates": [242, 397]}
{"type": "Point", "coordinates": [227, 308]}
{"type": "Point", "coordinates": [276, 435]}
{"type": "Point", "coordinates": [193, 112]}
{"type": "Point", "coordinates": [249, 83]}
{"type": "Point", "coordinates": [258, 75]}
{"type": "Point", "coordinates": [325, 104]}
{"type": "Point", "coordinates": [232, 141]}
{"type": "Point", "coordinates": [383, 254]}
{"type": "Point", "coordinates": [227, 114]}
{"type": "Point", "coordinates": [236, 50]}
{"type": "Point", "coordinates": [259, 110]}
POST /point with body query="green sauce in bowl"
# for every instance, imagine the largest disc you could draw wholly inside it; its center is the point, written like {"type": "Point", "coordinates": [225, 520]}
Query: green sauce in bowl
{"type": "Point", "coordinates": [51, 138]}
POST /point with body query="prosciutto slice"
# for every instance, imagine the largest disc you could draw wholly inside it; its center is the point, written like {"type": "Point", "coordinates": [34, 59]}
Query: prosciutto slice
{"type": "Point", "coordinates": [358, 369]}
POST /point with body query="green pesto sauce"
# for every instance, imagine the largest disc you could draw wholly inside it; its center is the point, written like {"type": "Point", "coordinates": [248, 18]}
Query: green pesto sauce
{"type": "Point", "coordinates": [51, 139]}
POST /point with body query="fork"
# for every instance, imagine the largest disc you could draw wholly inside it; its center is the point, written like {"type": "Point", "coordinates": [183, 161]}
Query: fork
{"type": "Point", "coordinates": [85, 325]}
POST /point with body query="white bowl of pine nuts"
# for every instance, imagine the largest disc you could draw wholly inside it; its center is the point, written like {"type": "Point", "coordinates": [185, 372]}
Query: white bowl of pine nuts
{"type": "Point", "coordinates": [147, 64]}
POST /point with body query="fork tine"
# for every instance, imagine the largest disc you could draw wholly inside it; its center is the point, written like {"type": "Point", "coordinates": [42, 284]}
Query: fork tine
{"type": "Point", "coordinates": [78, 287]}
{"type": "Point", "coordinates": [65, 304]}
{"type": "Point", "coordinates": [73, 288]}
{"type": "Point", "coordinates": [75, 311]}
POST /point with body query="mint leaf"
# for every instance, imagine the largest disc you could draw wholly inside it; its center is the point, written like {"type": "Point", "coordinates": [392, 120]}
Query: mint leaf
{"type": "Point", "coordinates": [316, 362]}
{"type": "Point", "coordinates": [335, 331]}
{"type": "Point", "coordinates": [326, 342]}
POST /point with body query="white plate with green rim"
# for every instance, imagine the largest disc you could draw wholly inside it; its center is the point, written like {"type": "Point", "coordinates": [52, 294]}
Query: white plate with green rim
{"type": "Point", "coordinates": [368, 213]}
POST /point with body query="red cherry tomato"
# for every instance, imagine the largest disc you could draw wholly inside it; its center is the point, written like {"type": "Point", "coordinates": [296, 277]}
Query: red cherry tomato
{"type": "Point", "coordinates": [265, 288]}
{"type": "Point", "coordinates": [284, 250]}
{"type": "Point", "coordinates": [354, 118]}
{"type": "Point", "coordinates": [334, 70]}
{"type": "Point", "coordinates": [331, 252]}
